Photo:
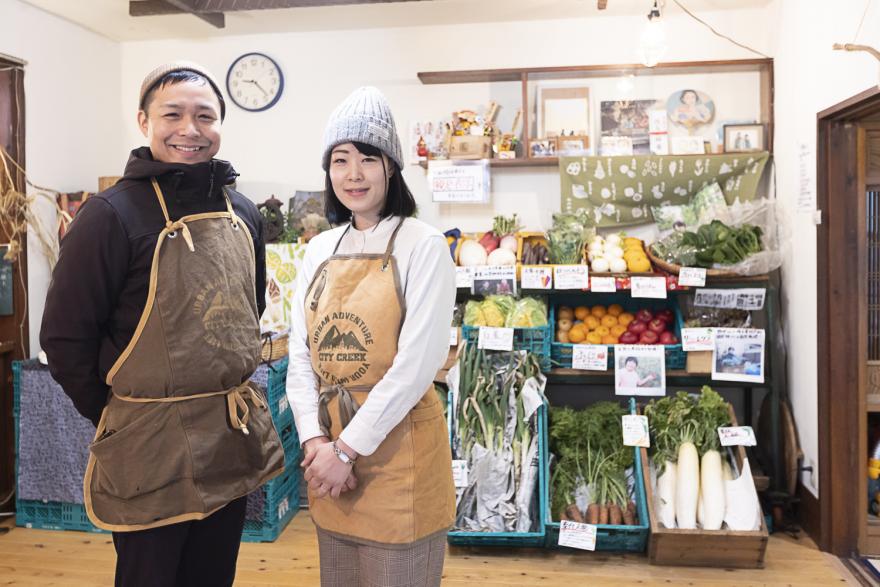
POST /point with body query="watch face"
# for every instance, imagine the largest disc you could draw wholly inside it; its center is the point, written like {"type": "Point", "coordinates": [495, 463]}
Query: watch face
{"type": "Point", "coordinates": [254, 82]}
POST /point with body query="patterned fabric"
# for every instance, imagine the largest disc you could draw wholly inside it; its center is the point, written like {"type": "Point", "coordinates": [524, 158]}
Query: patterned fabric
{"type": "Point", "coordinates": [345, 563]}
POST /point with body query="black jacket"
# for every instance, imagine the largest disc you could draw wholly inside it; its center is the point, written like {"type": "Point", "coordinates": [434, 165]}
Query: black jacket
{"type": "Point", "coordinates": [99, 286]}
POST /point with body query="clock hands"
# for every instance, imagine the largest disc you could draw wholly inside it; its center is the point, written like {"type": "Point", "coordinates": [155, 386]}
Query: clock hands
{"type": "Point", "coordinates": [256, 83]}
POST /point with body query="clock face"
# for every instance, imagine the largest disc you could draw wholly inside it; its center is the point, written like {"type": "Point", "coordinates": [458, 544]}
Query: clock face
{"type": "Point", "coordinates": [254, 82]}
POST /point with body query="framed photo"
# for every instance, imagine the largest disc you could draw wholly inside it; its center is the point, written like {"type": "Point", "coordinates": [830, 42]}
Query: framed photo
{"type": "Point", "coordinates": [687, 145]}
{"type": "Point", "coordinates": [632, 119]}
{"type": "Point", "coordinates": [573, 145]}
{"type": "Point", "coordinates": [542, 148]}
{"type": "Point", "coordinates": [562, 110]}
{"type": "Point", "coordinates": [743, 138]}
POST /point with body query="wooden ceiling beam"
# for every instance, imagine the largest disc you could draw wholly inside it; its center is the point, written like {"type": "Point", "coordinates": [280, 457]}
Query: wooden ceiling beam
{"type": "Point", "coordinates": [157, 7]}
{"type": "Point", "coordinates": [603, 4]}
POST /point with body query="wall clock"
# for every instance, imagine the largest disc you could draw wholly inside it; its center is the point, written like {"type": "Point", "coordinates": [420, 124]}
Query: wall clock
{"type": "Point", "coordinates": [254, 82]}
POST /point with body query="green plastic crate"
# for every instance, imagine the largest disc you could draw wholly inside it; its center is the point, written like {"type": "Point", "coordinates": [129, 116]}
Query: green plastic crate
{"type": "Point", "coordinates": [534, 340]}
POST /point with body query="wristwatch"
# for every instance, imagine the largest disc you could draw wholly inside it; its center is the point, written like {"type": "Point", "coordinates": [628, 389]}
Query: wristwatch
{"type": "Point", "coordinates": [342, 455]}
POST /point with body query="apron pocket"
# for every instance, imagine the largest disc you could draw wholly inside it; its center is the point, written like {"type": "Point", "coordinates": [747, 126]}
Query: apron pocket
{"type": "Point", "coordinates": [143, 456]}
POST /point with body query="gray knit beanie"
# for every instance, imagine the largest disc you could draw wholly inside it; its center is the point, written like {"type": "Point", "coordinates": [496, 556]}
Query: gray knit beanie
{"type": "Point", "coordinates": [157, 74]}
{"type": "Point", "coordinates": [363, 117]}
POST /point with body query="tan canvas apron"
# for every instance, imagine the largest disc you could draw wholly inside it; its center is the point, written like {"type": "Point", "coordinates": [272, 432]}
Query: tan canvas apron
{"type": "Point", "coordinates": [354, 311]}
{"type": "Point", "coordinates": [184, 432]}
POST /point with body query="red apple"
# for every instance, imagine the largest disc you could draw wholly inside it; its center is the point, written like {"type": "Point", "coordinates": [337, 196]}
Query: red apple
{"type": "Point", "coordinates": [628, 337]}
{"type": "Point", "coordinates": [657, 325]}
{"type": "Point", "coordinates": [668, 338]}
{"type": "Point", "coordinates": [637, 326]}
{"type": "Point", "coordinates": [649, 337]}
{"type": "Point", "coordinates": [644, 315]}
{"type": "Point", "coordinates": [666, 315]}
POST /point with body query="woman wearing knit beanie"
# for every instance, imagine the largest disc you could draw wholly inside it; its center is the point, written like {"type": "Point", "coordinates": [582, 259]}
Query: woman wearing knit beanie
{"type": "Point", "coordinates": [370, 329]}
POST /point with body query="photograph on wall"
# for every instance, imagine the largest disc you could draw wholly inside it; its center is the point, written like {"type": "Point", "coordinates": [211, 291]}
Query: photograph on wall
{"type": "Point", "coordinates": [629, 118]}
{"type": "Point", "coordinates": [690, 108]}
{"type": "Point", "coordinates": [639, 370]}
{"type": "Point", "coordinates": [738, 355]}
{"type": "Point", "coordinates": [743, 138]}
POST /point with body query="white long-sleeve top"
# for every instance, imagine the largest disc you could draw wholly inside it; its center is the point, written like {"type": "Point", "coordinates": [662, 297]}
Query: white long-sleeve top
{"type": "Point", "coordinates": [427, 277]}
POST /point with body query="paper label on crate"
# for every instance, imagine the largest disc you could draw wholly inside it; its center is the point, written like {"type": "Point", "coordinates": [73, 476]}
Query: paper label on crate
{"type": "Point", "coordinates": [537, 278]}
{"type": "Point", "coordinates": [603, 284]}
{"type": "Point", "coordinates": [589, 357]}
{"type": "Point", "coordinates": [697, 339]}
{"type": "Point", "coordinates": [453, 336]}
{"type": "Point", "coordinates": [464, 277]}
{"type": "Point", "coordinates": [460, 473]}
{"type": "Point", "coordinates": [494, 279]}
{"type": "Point", "coordinates": [635, 431]}
{"type": "Point", "coordinates": [283, 507]}
{"type": "Point", "coordinates": [571, 277]}
{"type": "Point", "coordinates": [737, 436]}
{"type": "Point", "coordinates": [495, 339]}
{"type": "Point", "coordinates": [576, 535]}
{"type": "Point", "coordinates": [739, 299]}
{"type": "Point", "coordinates": [532, 397]}
{"type": "Point", "coordinates": [283, 404]}
{"type": "Point", "coordinates": [692, 276]}
{"type": "Point", "coordinates": [648, 287]}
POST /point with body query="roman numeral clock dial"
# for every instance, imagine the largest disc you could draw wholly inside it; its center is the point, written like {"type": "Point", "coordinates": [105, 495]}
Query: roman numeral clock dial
{"type": "Point", "coordinates": [254, 82]}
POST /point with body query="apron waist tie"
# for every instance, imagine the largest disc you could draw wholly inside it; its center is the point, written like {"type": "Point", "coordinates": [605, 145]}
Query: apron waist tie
{"type": "Point", "coordinates": [236, 399]}
{"type": "Point", "coordinates": [348, 407]}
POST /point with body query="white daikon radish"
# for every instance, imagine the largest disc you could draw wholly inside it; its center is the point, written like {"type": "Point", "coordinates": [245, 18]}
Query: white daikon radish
{"type": "Point", "coordinates": [712, 490]}
{"type": "Point", "coordinates": [701, 514]}
{"type": "Point", "coordinates": [665, 495]}
{"type": "Point", "coordinates": [687, 486]}
{"type": "Point", "coordinates": [726, 471]}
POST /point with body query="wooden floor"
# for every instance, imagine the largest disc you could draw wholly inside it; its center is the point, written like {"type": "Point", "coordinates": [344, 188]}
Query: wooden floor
{"type": "Point", "coordinates": [37, 557]}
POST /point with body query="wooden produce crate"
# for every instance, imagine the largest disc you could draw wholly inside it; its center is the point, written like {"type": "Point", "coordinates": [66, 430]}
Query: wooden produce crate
{"type": "Point", "coordinates": [704, 548]}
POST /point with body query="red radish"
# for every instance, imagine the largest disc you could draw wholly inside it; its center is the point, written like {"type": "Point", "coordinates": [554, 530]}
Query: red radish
{"type": "Point", "coordinates": [637, 326]}
{"type": "Point", "coordinates": [490, 241]}
{"type": "Point", "coordinates": [666, 315]}
{"type": "Point", "coordinates": [649, 337]}
{"type": "Point", "coordinates": [668, 338]}
{"type": "Point", "coordinates": [657, 325]}
{"type": "Point", "coordinates": [644, 315]}
{"type": "Point", "coordinates": [628, 337]}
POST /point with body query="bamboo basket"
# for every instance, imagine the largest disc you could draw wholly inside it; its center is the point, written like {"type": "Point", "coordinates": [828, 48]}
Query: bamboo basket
{"type": "Point", "coordinates": [274, 348]}
{"type": "Point", "coordinates": [674, 269]}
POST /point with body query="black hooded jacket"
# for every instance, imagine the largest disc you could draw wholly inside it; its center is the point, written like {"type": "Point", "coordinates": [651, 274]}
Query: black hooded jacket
{"type": "Point", "coordinates": [99, 286]}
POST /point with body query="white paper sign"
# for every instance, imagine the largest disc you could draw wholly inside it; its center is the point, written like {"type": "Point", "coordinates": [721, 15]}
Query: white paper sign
{"type": "Point", "coordinates": [806, 199]}
{"type": "Point", "coordinates": [648, 287]}
{"type": "Point", "coordinates": [590, 357]}
{"type": "Point", "coordinates": [603, 284]}
{"type": "Point", "coordinates": [738, 355]}
{"type": "Point", "coordinates": [460, 473]}
{"type": "Point", "coordinates": [697, 339]}
{"type": "Point", "coordinates": [537, 278]}
{"type": "Point", "coordinates": [639, 370]}
{"type": "Point", "coordinates": [739, 299]}
{"type": "Point", "coordinates": [460, 181]}
{"type": "Point", "coordinates": [495, 339]}
{"type": "Point", "coordinates": [453, 336]}
{"type": "Point", "coordinates": [692, 276]}
{"type": "Point", "coordinates": [737, 436]}
{"type": "Point", "coordinates": [575, 535]}
{"type": "Point", "coordinates": [635, 431]}
{"type": "Point", "coordinates": [494, 279]}
{"type": "Point", "coordinates": [571, 277]}
{"type": "Point", "coordinates": [464, 277]}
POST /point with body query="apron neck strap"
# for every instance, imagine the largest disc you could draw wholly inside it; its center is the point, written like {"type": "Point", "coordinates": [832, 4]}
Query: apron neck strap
{"type": "Point", "coordinates": [161, 198]}
{"type": "Point", "coordinates": [387, 257]}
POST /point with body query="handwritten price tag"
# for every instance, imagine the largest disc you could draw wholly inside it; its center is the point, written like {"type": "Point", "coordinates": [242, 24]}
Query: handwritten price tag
{"type": "Point", "coordinates": [590, 357]}
{"type": "Point", "coordinates": [603, 284]}
{"type": "Point", "coordinates": [737, 436]}
{"type": "Point", "coordinates": [697, 339]}
{"type": "Point", "coordinates": [495, 339]}
{"type": "Point", "coordinates": [537, 278]}
{"type": "Point", "coordinates": [635, 431]}
{"type": "Point", "coordinates": [575, 535]}
{"type": "Point", "coordinates": [460, 473]}
{"type": "Point", "coordinates": [648, 287]}
{"type": "Point", "coordinates": [464, 277]}
{"type": "Point", "coordinates": [571, 277]}
{"type": "Point", "coordinates": [692, 276]}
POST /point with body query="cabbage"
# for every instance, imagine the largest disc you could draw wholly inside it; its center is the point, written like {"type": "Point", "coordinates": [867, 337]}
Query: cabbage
{"type": "Point", "coordinates": [527, 313]}
{"type": "Point", "coordinates": [473, 314]}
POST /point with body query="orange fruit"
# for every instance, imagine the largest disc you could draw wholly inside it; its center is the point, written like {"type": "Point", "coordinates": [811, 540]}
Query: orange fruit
{"type": "Point", "coordinates": [609, 339]}
{"type": "Point", "coordinates": [639, 264]}
{"type": "Point", "coordinates": [576, 335]}
{"type": "Point", "coordinates": [598, 311]}
{"type": "Point", "coordinates": [609, 320]}
{"type": "Point", "coordinates": [618, 330]}
{"type": "Point", "coordinates": [592, 322]}
{"type": "Point", "coordinates": [615, 309]}
{"type": "Point", "coordinates": [625, 318]}
{"type": "Point", "coordinates": [594, 338]}
{"type": "Point", "coordinates": [602, 331]}
{"type": "Point", "coordinates": [581, 312]}
{"type": "Point", "coordinates": [632, 241]}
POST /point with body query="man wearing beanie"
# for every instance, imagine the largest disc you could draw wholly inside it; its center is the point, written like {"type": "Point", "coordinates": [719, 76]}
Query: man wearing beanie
{"type": "Point", "coordinates": [151, 327]}
{"type": "Point", "coordinates": [370, 328]}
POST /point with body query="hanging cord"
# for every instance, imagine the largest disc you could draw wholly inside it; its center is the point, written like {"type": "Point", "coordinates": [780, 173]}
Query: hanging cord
{"type": "Point", "coordinates": [711, 28]}
{"type": "Point", "coordinates": [861, 22]}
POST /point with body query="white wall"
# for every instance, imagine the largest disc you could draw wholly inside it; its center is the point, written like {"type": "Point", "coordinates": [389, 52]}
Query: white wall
{"type": "Point", "coordinates": [72, 120]}
{"type": "Point", "coordinates": [810, 77]}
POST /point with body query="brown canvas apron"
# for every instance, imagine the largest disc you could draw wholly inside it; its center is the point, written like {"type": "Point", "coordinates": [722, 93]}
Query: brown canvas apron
{"type": "Point", "coordinates": [184, 432]}
{"type": "Point", "coordinates": [354, 311]}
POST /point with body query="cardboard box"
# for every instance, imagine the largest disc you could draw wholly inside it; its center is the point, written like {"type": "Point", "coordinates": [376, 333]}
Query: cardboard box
{"type": "Point", "coordinates": [470, 147]}
{"type": "Point", "coordinates": [699, 362]}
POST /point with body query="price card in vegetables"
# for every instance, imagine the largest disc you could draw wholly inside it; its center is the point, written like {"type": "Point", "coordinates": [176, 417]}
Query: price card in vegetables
{"type": "Point", "coordinates": [495, 339]}
{"type": "Point", "coordinates": [494, 279]}
{"type": "Point", "coordinates": [577, 535]}
{"type": "Point", "coordinates": [648, 287]}
{"type": "Point", "coordinates": [537, 278]}
{"type": "Point", "coordinates": [464, 277]}
{"type": "Point", "coordinates": [692, 276]}
{"type": "Point", "coordinates": [571, 277]}
{"type": "Point", "coordinates": [737, 436]}
{"type": "Point", "coordinates": [639, 370]}
{"type": "Point", "coordinates": [697, 339]}
{"type": "Point", "coordinates": [460, 473]}
{"type": "Point", "coordinates": [589, 357]}
{"type": "Point", "coordinates": [603, 284]}
{"type": "Point", "coordinates": [635, 431]}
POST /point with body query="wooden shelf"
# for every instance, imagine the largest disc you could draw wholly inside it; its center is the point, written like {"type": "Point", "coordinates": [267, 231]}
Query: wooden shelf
{"type": "Point", "coordinates": [674, 377]}
{"type": "Point", "coordinates": [521, 162]}
{"type": "Point", "coordinates": [873, 404]}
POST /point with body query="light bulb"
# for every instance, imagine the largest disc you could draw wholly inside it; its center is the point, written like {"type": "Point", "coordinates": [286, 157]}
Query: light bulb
{"type": "Point", "coordinates": [653, 43]}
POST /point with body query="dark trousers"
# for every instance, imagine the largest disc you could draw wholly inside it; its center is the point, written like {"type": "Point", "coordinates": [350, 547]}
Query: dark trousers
{"type": "Point", "coordinates": [201, 553]}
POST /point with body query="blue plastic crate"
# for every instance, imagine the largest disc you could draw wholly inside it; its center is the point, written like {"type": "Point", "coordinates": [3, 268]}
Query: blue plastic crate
{"type": "Point", "coordinates": [515, 539]}
{"type": "Point", "coordinates": [276, 389]}
{"type": "Point", "coordinates": [676, 357]}
{"type": "Point", "coordinates": [610, 537]}
{"type": "Point", "coordinates": [534, 340]}
{"type": "Point", "coordinates": [280, 505]}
